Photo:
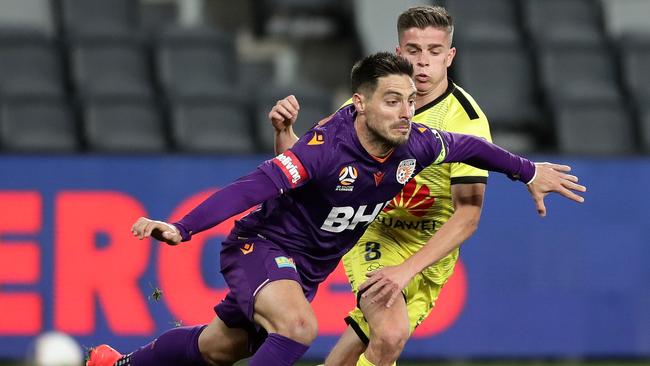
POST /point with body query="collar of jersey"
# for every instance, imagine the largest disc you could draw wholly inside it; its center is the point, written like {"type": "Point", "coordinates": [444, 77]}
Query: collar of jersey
{"type": "Point", "coordinates": [450, 89]}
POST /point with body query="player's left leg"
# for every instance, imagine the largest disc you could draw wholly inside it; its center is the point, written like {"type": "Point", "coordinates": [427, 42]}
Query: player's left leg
{"type": "Point", "coordinates": [347, 349]}
{"type": "Point", "coordinates": [389, 331]}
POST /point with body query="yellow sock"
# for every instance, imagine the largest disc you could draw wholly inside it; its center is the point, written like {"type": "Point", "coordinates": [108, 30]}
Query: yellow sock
{"type": "Point", "coordinates": [363, 361]}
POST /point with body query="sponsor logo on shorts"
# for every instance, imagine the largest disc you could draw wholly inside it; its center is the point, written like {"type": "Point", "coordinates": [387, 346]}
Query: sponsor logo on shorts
{"type": "Point", "coordinates": [247, 248]}
{"type": "Point", "coordinates": [284, 262]}
{"type": "Point", "coordinates": [291, 167]}
{"type": "Point", "coordinates": [405, 171]}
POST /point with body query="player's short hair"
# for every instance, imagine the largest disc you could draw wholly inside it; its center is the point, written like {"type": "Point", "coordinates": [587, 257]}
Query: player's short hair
{"type": "Point", "coordinates": [366, 71]}
{"type": "Point", "coordinates": [425, 16]}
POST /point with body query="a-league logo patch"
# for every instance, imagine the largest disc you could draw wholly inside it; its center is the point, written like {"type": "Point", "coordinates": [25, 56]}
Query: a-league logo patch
{"type": "Point", "coordinates": [405, 171]}
{"type": "Point", "coordinates": [284, 262]}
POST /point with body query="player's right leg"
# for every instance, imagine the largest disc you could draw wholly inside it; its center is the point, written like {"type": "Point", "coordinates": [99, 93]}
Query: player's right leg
{"type": "Point", "coordinates": [283, 310]}
{"type": "Point", "coordinates": [214, 344]}
{"type": "Point", "coordinates": [221, 345]}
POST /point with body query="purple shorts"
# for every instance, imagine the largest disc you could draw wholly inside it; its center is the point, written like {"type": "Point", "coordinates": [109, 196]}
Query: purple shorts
{"type": "Point", "coordinates": [248, 264]}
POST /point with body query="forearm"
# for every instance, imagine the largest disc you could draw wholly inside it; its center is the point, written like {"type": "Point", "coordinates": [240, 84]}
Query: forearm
{"type": "Point", "coordinates": [450, 236]}
{"type": "Point", "coordinates": [238, 196]}
{"type": "Point", "coordinates": [284, 139]}
{"type": "Point", "coordinates": [485, 155]}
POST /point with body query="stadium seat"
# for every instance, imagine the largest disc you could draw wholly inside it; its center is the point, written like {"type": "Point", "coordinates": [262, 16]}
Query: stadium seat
{"type": "Point", "coordinates": [102, 68]}
{"type": "Point", "coordinates": [123, 125]}
{"type": "Point", "coordinates": [579, 72]}
{"type": "Point", "coordinates": [315, 104]}
{"type": "Point", "coordinates": [491, 21]}
{"type": "Point", "coordinates": [564, 21]}
{"type": "Point", "coordinates": [644, 127]}
{"type": "Point", "coordinates": [30, 65]}
{"type": "Point", "coordinates": [212, 125]}
{"type": "Point", "coordinates": [37, 125]}
{"type": "Point", "coordinates": [195, 62]}
{"type": "Point", "coordinates": [501, 78]}
{"type": "Point", "coordinates": [519, 142]}
{"type": "Point", "coordinates": [92, 18]}
{"type": "Point", "coordinates": [635, 63]}
{"type": "Point", "coordinates": [593, 127]}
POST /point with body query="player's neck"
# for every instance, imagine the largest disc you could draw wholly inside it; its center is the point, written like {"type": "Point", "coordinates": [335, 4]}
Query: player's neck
{"type": "Point", "coordinates": [422, 99]}
{"type": "Point", "coordinates": [373, 146]}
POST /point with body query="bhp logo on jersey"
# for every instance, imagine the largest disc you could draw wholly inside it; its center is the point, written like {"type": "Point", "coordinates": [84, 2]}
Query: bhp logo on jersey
{"type": "Point", "coordinates": [342, 218]}
{"type": "Point", "coordinates": [291, 167]}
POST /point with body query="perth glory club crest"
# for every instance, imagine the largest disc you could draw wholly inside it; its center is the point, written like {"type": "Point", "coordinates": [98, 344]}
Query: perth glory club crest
{"type": "Point", "coordinates": [405, 170]}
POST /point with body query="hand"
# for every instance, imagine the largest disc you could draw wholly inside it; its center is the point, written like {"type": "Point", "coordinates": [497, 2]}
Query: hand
{"type": "Point", "coordinates": [385, 283]}
{"type": "Point", "coordinates": [554, 178]}
{"type": "Point", "coordinates": [284, 114]}
{"type": "Point", "coordinates": [161, 231]}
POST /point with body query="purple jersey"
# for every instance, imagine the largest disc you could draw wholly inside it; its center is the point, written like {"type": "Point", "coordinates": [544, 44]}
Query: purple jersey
{"type": "Point", "coordinates": [331, 189]}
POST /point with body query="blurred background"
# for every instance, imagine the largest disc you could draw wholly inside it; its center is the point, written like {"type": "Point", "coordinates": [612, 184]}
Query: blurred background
{"type": "Point", "coordinates": [110, 110]}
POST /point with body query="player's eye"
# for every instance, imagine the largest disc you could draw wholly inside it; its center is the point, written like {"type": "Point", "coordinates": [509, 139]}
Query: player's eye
{"type": "Point", "coordinates": [391, 102]}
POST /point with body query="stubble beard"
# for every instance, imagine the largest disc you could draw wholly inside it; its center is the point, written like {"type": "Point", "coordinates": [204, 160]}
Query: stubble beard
{"type": "Point", "coordinates": [384, 139]}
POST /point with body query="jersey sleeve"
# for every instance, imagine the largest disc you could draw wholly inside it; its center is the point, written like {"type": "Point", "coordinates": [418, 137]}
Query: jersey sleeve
{"type": "Point", "coordinates": [461, 123]}
{"type": "Point", "coordinates": [298, 165]}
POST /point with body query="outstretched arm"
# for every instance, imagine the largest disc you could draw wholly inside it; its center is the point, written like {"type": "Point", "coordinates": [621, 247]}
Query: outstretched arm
{"type": "Point", "coordinates": [283, 115]}
{"type": "Point", "coordinates": [238, 196]}
{"type": "Point", "coordinates": [541, 178]}
{"type": "Point", "coordinates": [387, 283]}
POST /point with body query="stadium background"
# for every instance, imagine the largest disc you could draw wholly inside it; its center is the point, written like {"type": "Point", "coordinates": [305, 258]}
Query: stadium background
{"type": "Point", "coordinates": [114, 109]}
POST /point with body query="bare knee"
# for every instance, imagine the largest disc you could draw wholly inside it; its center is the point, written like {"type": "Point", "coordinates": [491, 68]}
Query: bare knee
{"type": "Point", "coordinates": [301, 327]}
{"type": "Point", "coordinates": [389, 342]}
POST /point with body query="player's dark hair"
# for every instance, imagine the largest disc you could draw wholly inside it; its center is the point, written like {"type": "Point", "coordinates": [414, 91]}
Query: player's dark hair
{"type": "Point", "coordinates": [366, 71]}
{"type": "Point", "coordinates": [425, 16]}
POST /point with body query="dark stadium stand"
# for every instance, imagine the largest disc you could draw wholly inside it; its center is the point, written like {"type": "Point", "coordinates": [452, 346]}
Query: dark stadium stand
{"type": "Point", "coordinates": [84, 18]}
{"type": "Point", "coordinates": [594, 127]}
{"type": "Point", "coordinates": [212, 125]}
{"type": "Point", "coordinates": [489, 21]}
{"type": "Point", "coordinates": [564, 21]}
{"type": "Point", "coordinates": [122, 68]}
{"type": "Point", "coordinates": [37, 124]}
{"type": "Point", "coordinates": [123, 125]}
{"type": "Point", "coordinates": [195, 62]}
{"type": "Point", "coordinates": [30, 65]}
{"type": "Point", "coordinates": [107, 67]}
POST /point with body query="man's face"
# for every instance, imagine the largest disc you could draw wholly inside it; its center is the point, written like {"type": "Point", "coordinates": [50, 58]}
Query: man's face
{"type": "Point", "coordinates": [430, 52]}
{"type": "Point", "coordinates": [390, 108]}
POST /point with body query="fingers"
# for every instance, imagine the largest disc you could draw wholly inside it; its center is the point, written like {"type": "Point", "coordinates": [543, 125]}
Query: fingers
{"type": "Point", "coordinates": [541, 208]}
{"type": "Point", "coordinates": [285, 110]}
{"type": "Point", "coordinates": [557, 167]}
{"type": "Point", "coordinates": [144, 228]}
{"type": "Point", "coordinates": [372, 279]}
{"type": "Point", "coordinates": [291, 99]}
{"type": "Point", "coordinates": [571, 195]}
{"type": "Point", "coordinates": [574, 187]}
{"type": "Point", "coordinates": [139, 226]}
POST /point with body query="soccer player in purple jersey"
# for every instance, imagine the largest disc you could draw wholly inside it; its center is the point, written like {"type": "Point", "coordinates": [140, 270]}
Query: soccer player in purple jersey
{"type": "Point", "coordinates": [317, 199]}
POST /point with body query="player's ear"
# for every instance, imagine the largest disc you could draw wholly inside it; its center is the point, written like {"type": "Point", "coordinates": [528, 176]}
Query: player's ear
{"type": "Point", "coordinates": [450, 56]}
{"type": "Point", "coordinates": [359, 102]}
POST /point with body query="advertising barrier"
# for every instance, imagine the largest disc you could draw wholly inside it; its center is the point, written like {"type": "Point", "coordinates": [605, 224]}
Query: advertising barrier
{"type": "Point", "coordinates": [576, 283]}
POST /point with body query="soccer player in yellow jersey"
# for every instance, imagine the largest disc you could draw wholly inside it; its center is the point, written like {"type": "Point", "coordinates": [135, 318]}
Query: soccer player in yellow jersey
{"type": "Point", "coordinates": [399, 266]}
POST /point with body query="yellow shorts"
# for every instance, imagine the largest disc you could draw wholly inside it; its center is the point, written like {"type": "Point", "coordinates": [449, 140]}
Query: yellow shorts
{"type": "Point", "coordinates": [374, 251]}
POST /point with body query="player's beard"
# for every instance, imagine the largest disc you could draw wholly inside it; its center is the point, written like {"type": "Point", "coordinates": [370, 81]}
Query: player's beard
{"type": "Point", "coordinates": [383, 136]}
